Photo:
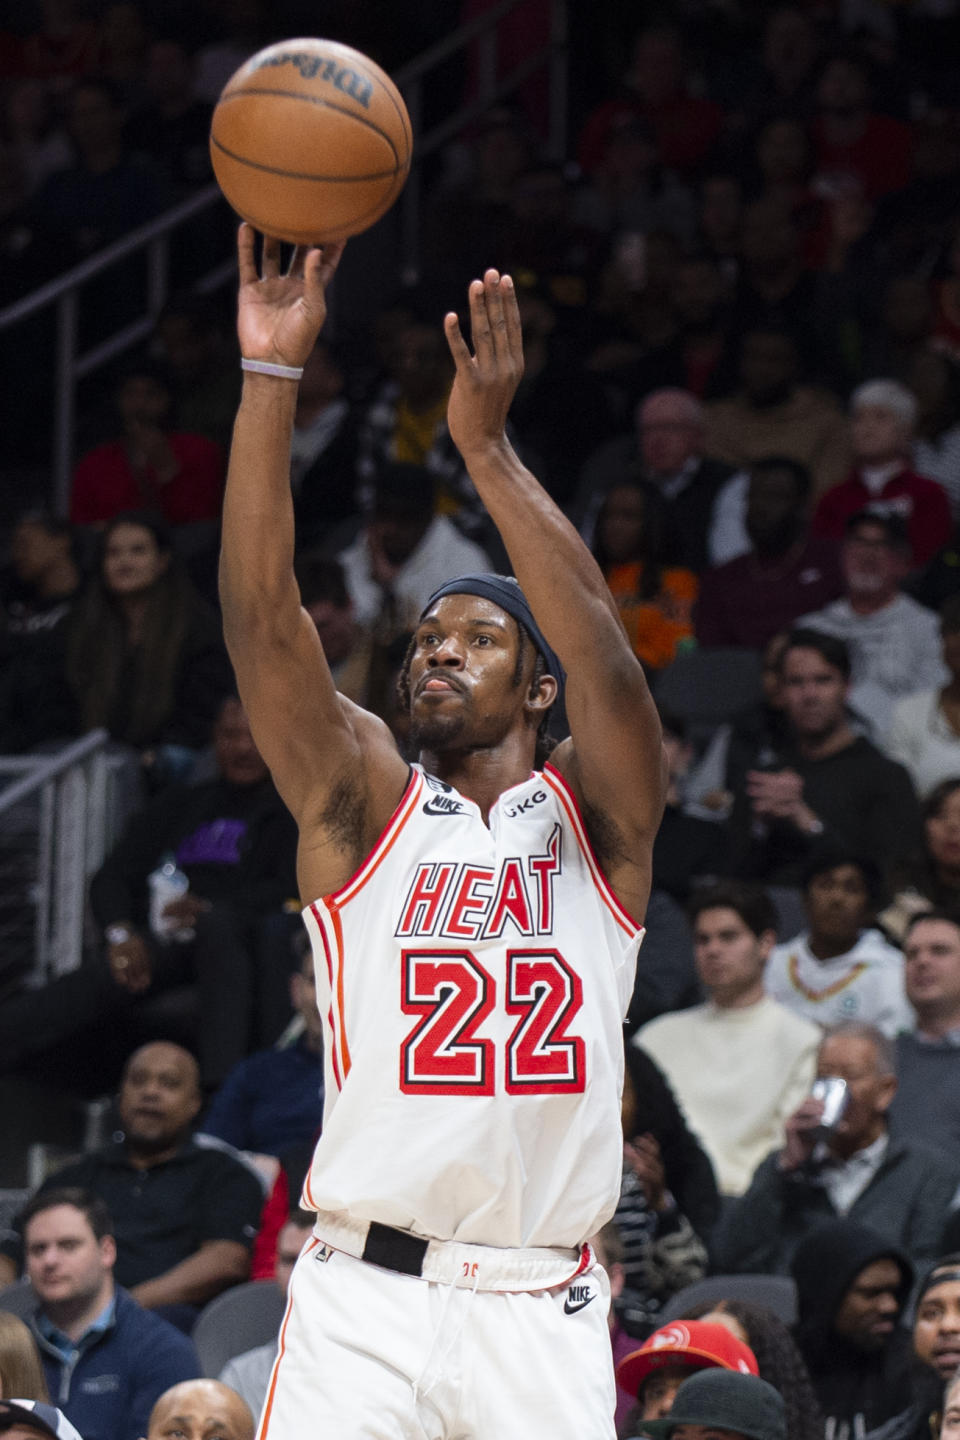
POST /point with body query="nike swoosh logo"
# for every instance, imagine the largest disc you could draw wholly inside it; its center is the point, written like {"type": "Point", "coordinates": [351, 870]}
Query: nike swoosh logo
{"type": "Point", "coordinates": [569, 1309]}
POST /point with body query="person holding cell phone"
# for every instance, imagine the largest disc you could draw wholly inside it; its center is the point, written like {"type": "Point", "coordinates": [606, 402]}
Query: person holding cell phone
{"type": "Point", "coordinates": [840, 1159]}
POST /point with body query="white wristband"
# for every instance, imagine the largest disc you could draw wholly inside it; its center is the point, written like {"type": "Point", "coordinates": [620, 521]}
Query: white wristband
{"type": "Point", "coordinates": [264, 367]}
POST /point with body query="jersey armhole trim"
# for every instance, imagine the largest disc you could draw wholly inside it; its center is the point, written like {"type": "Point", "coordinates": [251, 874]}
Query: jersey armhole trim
{"type": "Point", "coordinates": [382, 846]}
{"type": "Point", "coordinates": [568, 800]}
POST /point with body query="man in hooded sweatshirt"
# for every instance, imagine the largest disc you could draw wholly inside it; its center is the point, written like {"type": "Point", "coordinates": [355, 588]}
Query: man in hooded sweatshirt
{"type": "Point", "coordinates": [852, 1285]}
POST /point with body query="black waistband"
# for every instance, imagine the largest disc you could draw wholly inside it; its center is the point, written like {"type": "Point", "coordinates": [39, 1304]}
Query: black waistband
{"type": "Point", "coordinates": [394, 1249]}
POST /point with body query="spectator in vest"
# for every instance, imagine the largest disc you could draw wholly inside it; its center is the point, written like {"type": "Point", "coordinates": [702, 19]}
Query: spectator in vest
{"type": "Point", "coordinates": [882, 418]}
{"type": "Point", "coordinates": [854, 1168]}
{"type": "Point", "coordinates": [926, 1106]}
{"type": "Point", "coordinates": [739, 1063]}
{"type": "Point", "coordinates": [106, 1359]}
{"type": "Point", "coordinates": [924, 729]}
{"type": "Point", "coordinates": [894, 642]}
{"type": "Point", "coordinates": [841, 967]}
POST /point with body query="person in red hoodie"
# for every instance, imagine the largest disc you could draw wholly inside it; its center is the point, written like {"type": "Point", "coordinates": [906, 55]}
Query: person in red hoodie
{"type": "Point", "coordinates": [882, 418]}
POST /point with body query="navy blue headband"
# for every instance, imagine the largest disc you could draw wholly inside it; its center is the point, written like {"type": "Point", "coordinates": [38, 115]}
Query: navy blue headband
{"type": "Point", "coordinates": [504, 590]}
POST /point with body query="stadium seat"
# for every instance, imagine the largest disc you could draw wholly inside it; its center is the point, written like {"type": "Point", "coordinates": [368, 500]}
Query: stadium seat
{"type": "Point", "coordinates": [240, 1319]}
{"type": "Point", "coordinates": [776, 1292]}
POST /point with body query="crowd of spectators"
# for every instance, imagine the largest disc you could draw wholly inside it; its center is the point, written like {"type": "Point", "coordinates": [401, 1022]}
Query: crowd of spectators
{"type": "Point", "coordinates": [740, 296]}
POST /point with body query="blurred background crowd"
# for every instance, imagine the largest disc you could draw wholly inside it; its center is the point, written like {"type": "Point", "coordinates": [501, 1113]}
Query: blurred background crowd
{"type": "Point", "coordinates": [740, 294]}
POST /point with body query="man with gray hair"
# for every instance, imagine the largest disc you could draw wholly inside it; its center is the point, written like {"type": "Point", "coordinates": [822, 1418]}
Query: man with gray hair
{"type": "Point", "coordinates": [882, 418]}
{"type": "Point", "coordinates": [665, 453]}
{"type": "Point", "coordinates": [845, 1164]}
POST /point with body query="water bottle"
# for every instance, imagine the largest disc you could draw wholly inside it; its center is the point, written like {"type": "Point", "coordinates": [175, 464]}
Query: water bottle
{"type": "Point", "coordinates": [167, 882]}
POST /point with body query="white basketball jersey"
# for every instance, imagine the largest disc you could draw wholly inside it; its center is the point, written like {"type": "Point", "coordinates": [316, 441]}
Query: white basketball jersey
{"type": "Point", "coordinates": [473, 982]}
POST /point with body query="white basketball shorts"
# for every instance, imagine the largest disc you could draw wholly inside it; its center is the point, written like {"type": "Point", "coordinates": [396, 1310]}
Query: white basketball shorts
{"type": "Point", "coordinates": [367, 1353]}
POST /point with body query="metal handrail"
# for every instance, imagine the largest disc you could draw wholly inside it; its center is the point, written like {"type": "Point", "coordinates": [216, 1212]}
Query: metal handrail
{"type": "Point", "coordinates": [63, 292]}
{"type": "Point", "coordinates": [43, 771]}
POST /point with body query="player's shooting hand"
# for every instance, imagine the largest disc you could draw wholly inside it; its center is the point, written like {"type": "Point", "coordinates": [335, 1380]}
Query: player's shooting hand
{"type": "Point", "coordinates": [802, 1134]}
{"type": "Point", "coordinates": [486, 380]}
{"type": "Point", "coordinates": [279, 316]}
{"type": "Point", "coordinates": [129, 963]}
{"type": "Point", "coordinates": [643, 1156]}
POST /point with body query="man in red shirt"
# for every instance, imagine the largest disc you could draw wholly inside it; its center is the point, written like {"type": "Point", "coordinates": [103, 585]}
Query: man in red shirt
{"type": "Point", "coordinates": [148, 467]}
{"type": "Point", "coordinates": [882, 417]}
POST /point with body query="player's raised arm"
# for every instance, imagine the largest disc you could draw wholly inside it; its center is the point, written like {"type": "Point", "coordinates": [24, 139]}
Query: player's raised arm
{"type": "Point", "coordinates": [311, 738]}
{"type": "Point", "coordinates": [614, 759]}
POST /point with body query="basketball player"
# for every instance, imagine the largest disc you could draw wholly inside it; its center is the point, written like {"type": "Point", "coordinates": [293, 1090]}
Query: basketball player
{"type": "Point", "coordinates": [475, 925]}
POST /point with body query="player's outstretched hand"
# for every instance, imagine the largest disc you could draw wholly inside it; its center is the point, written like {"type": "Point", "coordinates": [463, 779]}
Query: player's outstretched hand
{"type": "Point", "coordinates": [486, 380]}
{"type": "Point", "coordinates": [279, 316]}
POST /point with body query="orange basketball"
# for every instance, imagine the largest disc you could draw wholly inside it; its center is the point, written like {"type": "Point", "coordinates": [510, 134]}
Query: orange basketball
{"type": "Point", "coordinates": [310, 141]}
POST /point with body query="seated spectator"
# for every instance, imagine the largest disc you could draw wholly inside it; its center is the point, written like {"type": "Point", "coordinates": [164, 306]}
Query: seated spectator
{"type": "Point", "coordinates": [405, 423]}
{"type": "Point", "coordinates": [772, 413]}
{"type": "Point", "coordinates": [936, 1348]}
{"type": "Point", "coordinates": [893, 641]}
{"type": "Point", "coordinates": [404, 551]}
{"type": "Point", "coordinates": [739, 1063]}
{"type": "Point", "coordinates": [25, 1419]}
{"type": "Point", "coordinates": [198, 1409]}
{"type": "Point", "coordinates": [852, 1289]}
{"type": "Point", "coordinates": [901, 1189]}
{"type": "Point", "coordinates": [850, 136]}
{"type": "Point", "coordinates": [950, 1422]}
{"type": "Point", "coordinates": [351, 651]}
{"type": "Point", "coordinates": [145, 656]}
{"type": "Point", "coordinates": [35, 701]}
{"type": "Point", "coordinates": [826, 781]}
{"type": "Point", "coordinates": [655, 1372]}
{"type": "Point", "coordinates": [200, 364]}
{"type": "Point", "coordinates": [666, 453]}
{"type": "Point", "coordinates": [274, 1099]}
{"type": "Point", "coordinates": [882, 418]}
{"type": "Point", "coordinates": [34, 132]}
{"type": "Point", "coordinates": [107, 190]}
{"type": "Point", "coordinates": [171, 125]}
{"type": "Point", "coordinates": [657, 87]}
{"type": "Point", "coordinates": [21, 1372]}
{"type": "Point", "coordinates": [739, 1406]}
{"type": "Point", "coordinates": [185, 1236]}
{"type": "Point", "coordinates": [668, 1198]}
{"type": "Point", "coordinates": [687, 850]}
{"type": "Point", "coordinates": [655, 601]}
{"type": "Point", "coordinates": [106, 1359]}
{"type": "Point", "coordinates": [749, 600]}
{"type": "Point", "coordinates": [148, 467]}
{"type": "Point", "coordinates": [935, 382]}
{"type": "Point", "coordinates": [926, 1106]}
{"type": "Point", "coordinates": [779, 1362]}
{"type": "Point", "coordinates": [234, 841]}
{"type": "Point", "coordinates": [928, 879]}
{"type": "Point", "coordinates": [924, 729]}
{"type": "Point", "coordinates": [249, 1373]}
{"type": "Point", "coordinates": [632, 190]}
{"type": "Point", "coordinates": [841, 967]}
{"type": "Point", "coordinates": [323, 463]}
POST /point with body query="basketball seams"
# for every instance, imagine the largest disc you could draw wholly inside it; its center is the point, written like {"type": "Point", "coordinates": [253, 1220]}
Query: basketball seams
{"type": "Point", "coordinates": [254, 94]}
{"type": "Point", "coordinates": [302, 175]}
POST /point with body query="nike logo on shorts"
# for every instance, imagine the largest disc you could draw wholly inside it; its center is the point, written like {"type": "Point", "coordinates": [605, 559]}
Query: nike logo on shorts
{"type": "Point", "coordinates": [578, 1298]}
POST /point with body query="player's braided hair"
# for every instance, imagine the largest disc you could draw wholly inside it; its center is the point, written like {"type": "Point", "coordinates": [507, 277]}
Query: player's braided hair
{"type": "Point", "coordinates": [544, 743]}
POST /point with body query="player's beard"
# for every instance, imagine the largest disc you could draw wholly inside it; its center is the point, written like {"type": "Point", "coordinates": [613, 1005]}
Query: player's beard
{"type": "Point", "coordinates": [438, 733]}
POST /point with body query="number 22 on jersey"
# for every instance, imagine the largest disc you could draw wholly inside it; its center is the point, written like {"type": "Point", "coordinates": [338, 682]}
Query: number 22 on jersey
{"type": "Point", "coordinates": [446, 1052]}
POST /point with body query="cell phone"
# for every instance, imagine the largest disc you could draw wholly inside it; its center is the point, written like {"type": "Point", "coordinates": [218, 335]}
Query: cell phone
{"type": "Point", "coordinates": [833, 1092]}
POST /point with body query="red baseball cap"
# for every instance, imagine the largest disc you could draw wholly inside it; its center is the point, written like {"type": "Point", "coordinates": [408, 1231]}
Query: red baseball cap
{"type": "Point", "coordinates": [697, 1344]}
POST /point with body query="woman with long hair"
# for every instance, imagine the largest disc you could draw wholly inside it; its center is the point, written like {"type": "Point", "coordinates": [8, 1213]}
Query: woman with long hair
{"type": "Point", "coordinates": [21, 1373]}
{"type": "Point", "coordinates": [145, 654]}
{"type": "Point", "coordinates": [932, 882]}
